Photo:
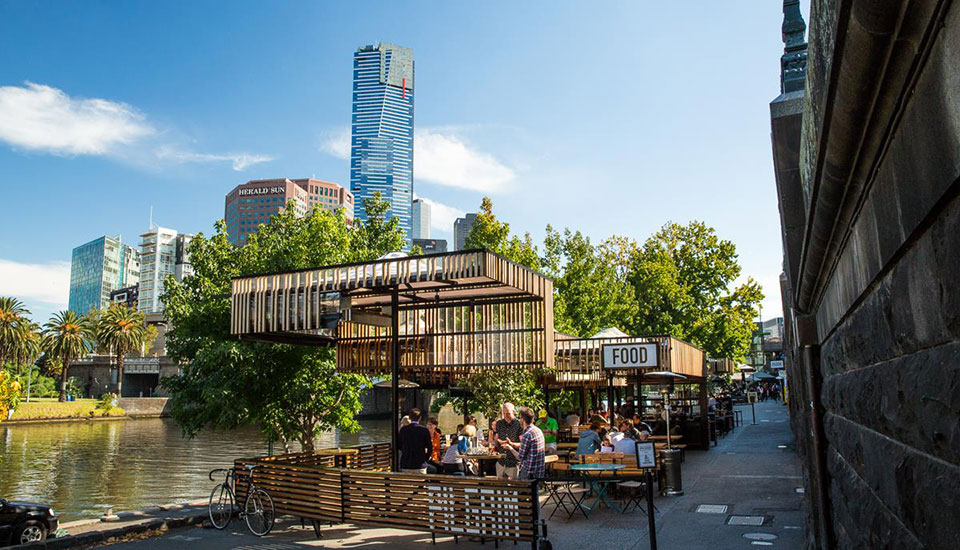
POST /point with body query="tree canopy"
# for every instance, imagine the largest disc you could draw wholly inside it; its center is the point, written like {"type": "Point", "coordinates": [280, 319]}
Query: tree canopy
{"type": "Point", "coordinates": [290, 392]}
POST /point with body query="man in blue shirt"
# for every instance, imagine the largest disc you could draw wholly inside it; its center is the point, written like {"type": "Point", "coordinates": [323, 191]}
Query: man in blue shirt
{"type": "Point", "coordinates": [589, 440]}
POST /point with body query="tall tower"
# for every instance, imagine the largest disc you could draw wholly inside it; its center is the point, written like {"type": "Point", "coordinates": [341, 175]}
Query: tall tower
{"type": "Point", "coordinates": [381, 144]}
{"type": "Point", "coordinates": [421, 219]}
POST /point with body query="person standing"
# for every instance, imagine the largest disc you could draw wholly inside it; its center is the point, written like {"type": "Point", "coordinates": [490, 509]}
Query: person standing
{"type": "Point", "coordinates": [549, 427]}
{"type": "Point", "coordinates": [507, 429]}
{"type": "Point", "coordinates": [416, 445]}
{"type": "Point", "coordinates": [529, 451]}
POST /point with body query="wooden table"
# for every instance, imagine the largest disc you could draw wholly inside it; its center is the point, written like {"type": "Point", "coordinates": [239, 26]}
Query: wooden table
{"type": "Point", "coordinates": [673, 437]}
{"type": "Point", "coordinates": [339, 455]}
{"type": "Point", "coordinates": [479, 458]}
{"type": "Point", "coordinates": [567, 446]}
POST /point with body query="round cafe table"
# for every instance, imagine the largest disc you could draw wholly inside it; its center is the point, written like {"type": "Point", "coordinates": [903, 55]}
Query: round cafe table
{"type": "Point", "coordinates": [598, 485]}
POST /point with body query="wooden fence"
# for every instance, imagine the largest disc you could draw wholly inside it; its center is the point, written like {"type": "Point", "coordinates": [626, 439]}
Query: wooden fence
{"type": "Point", "coordinates": [364, 493]}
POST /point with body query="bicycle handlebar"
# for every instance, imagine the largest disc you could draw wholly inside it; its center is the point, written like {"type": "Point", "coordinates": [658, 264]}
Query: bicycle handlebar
{"type": "Point", "coordinates": [218, 470]}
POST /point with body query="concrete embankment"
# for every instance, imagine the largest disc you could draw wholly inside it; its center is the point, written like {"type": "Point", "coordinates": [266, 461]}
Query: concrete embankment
{"type": "Point", "coordinates": [85, 410]}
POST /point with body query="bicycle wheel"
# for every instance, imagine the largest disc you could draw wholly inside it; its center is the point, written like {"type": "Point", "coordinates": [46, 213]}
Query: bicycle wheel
{"type": "Point", "coordinates": [220, 508]}
{"type": "Point", "coordinates": [259, 513]}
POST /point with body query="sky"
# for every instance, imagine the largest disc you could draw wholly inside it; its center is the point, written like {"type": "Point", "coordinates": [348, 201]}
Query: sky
{"type": "Point", "coordinates": [611, 119]}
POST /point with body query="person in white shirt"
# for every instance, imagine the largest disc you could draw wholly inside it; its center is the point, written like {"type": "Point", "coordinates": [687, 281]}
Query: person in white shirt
{"type": "Point", "coordinates": [627, 444]}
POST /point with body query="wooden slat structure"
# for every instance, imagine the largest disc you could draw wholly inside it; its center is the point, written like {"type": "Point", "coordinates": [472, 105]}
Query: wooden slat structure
{"type": "Point", "coordinates": [720, 366]}
{"type": "Point", "coordinates": [457, 312]}
{"type": "Point", "coordinates": [577, 361]}
{"type": "Point", "coordinates": [304, 485]}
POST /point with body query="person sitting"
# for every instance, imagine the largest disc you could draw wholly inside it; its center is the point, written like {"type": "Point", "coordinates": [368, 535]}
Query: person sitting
{"type": "Point", "coordinates": [590, 441]}
{"type": "Point", "coordinates": [548, 425]}
{"type": "Point", "coordinates": [416, 445]}
{"type": "Point", "coordinates": [451, 464]}
{"type": "Point", "coordinates": [573, 419]}
{"type": "Point", "coordinates": [606, 446]}
{"type": "Point", "coordinates": [628, 443]}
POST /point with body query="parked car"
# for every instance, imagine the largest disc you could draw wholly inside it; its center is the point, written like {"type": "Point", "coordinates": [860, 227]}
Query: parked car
{"type": "Point", "coordinates": [23, 522]}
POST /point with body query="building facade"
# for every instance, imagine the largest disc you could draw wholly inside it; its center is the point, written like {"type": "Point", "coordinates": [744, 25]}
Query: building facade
{"type": "Point", "coordinates": [381, 143]}
{"type": "Point", "coordinates": [461, 228]}
{"type": "Point", "coordinates": [127, 296]}
{"type": "Point", "coordinates": [251, 204]}
{"type": "Point", "coordinates": [420, 212]}
{"type": "Point", "coordinates": [431, 246]}
{"type": "Point", "coordinates": [163, 252]}
{"type": "Point", "coordinates": [98, 268]}
{"type": "Point", "coordinates": [866, 155]}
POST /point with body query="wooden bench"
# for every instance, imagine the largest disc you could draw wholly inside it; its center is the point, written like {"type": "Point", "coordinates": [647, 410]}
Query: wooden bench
{"type": "Point", "coordinates": [303, 485]}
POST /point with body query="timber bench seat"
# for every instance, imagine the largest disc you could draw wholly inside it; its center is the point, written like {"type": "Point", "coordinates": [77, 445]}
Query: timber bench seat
{"type": "Point", "coordinates": [303, 485]}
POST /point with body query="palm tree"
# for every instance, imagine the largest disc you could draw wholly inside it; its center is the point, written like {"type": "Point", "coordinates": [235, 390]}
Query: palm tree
{"type": "Point", "coordinates": [31, 347]}
{"type": "Point", "coordinates": [68, 337]}
{"type": "Point", "coordinates": [12, 317]}
{"type": "Point", "coordinates": [122, 330]}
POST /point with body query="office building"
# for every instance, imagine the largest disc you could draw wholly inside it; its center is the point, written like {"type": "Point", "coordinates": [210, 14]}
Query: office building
{"type": "Point", "coordinates": [461, 228]}
{"type": "Point", "coordinates": [98, 268]}
{"type": "Point", "coordinates": [127, 296]}
{"type": "Point", "coordinates": [431, 246]}
{"type": "Point", "coordinates": [162, 253]}
{"type": "Point", "coordinates": [381, 145]}
{"type": "Point", "coordinates": [253, 203]}
{"type": "Point", "coordinates": [420, 214]}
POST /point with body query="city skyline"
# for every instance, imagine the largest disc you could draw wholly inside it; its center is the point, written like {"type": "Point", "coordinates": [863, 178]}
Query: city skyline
{"type": "Point", "coordinates": [175, 140]}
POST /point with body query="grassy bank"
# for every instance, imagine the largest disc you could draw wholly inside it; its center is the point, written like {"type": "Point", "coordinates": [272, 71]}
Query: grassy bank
{"type": "Point", "coordinates": [50, 409]}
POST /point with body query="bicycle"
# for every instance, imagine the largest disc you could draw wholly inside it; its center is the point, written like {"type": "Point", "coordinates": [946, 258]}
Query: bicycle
{"type": "Point", "coordinates": [258, 511]}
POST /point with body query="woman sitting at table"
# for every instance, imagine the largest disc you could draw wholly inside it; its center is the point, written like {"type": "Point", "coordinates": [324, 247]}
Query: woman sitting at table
{"type": "Point", "coordinates": [452, 464]}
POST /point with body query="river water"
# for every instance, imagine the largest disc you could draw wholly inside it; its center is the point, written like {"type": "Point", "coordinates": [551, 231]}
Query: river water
{"type": "Point", "coordinates": [78, 467]}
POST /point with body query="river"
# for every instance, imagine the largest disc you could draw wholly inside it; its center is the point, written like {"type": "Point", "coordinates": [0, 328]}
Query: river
{"type": "Point", "coordinates": [79, 467]}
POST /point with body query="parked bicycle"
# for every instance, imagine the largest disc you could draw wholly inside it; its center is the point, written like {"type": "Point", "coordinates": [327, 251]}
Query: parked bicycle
{"type": "Point", "coordinates": [258, 511]}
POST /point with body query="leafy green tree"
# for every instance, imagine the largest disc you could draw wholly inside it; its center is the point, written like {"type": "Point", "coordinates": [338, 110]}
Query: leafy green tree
{"type": "Point", "coordinates": [293, 393]}
{"type": "Point", "coordinates": [490, 233]}
{"type": "Point", "coordinates": [682, 279]}
{"type": "Point", "coordinates": [589, 293]}
{"type": "Point", "coordinates": [67, 336]}
{"type": "Point", "coordinates": [122, 330]}
{"type": "Point", "coordinates": [491, 388]}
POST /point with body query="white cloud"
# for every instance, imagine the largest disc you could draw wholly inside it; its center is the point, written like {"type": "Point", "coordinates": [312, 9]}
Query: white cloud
{"type": "Point", "coordinates": [445, 159]}
{"type": "Point", "coordinates": [442, 157]}
{"type": "Point", "coordinates": [42, 118]}
{"type": "Point", "coordinates": [47, 283]}
{"type": "Point", "coordinates": [442, 216]}
{"type": "Point", "coordinates": [239, 161]}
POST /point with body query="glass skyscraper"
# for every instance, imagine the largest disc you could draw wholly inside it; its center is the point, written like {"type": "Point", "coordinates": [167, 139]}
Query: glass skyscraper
{"type": "Point", "coordinates": [381, 144]}
{"type": "Point", "coordinates": [99, 267]}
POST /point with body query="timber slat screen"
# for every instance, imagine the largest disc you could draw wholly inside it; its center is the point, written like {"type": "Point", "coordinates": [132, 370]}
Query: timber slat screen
{"type": "Point", "coordinates": [304, 485]}
{"type": "Point", "coordinates": [458, 312]}
{"type": "Point", "coordinates": [578, 361]}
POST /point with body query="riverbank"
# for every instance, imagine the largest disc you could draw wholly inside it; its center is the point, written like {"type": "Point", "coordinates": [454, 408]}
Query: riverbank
{"type": "Point", "coordinates": [52, 410]}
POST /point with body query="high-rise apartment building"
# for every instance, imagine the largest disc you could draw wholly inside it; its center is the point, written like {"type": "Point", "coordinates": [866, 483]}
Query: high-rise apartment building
{"type": "Point", "coordinates": [461, 228]}
{"type": "Point", "coordinates": [381, 144]}
{"type": "Point", "coordinates": [420, 214]}
{"type": "Point", "coordinates": [99, 267]}
{"type": "Point", "coordinates": [252, 203]}
{"type": "Point", "coordinates": [162, 252]}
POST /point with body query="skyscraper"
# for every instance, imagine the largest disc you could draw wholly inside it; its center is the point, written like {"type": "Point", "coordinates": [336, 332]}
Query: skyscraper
{"type": "Point", "coordinates": [461, 228]}
{"type": "Point", "coordinates": [162, 252]}
{"type": "Point", "coordinates": [99, 267]}
{"type": "Point", "coordinates": [381, 144]}
{"type": "Point", "coordinates": [421, 219]}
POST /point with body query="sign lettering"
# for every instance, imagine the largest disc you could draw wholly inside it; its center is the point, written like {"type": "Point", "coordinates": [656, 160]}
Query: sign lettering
{"type": "Point", "coordinates": [261, 191]}
{"type": "Point", "coordinates": [629, 356]}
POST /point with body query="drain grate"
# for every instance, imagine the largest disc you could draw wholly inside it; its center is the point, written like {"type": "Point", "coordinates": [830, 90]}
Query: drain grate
{"type": "Point", "coordinates": [712, 509]}
{"type": "Point", "coordinates": [745, 520]}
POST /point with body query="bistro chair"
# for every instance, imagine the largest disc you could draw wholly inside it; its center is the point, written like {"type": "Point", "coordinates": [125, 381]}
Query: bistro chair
{"type": "Point", "coordinates": [563, 489]}
{"type": "Point", "coordinates": [633, 488]}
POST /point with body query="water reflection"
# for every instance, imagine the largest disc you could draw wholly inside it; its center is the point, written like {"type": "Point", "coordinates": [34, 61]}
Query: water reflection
{"type": "Point", "coordinates": [79, 467]}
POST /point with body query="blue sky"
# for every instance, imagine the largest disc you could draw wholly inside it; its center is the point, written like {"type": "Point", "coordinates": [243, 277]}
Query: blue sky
{"type": "Point", "coordinates": [610, 119]}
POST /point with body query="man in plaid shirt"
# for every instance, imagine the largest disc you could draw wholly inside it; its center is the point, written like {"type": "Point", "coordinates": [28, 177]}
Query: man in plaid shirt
{"type": "Point", "coordinates": [530, 449]}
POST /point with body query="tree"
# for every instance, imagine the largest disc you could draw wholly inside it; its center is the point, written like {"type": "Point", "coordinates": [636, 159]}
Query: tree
{"type": "Point", "coordinates": [494, 386]}
{"type": "Point", "coordinates": [589, 292]}
{"type": "Point", "coordinates": [67, 336]}
{"type": "Point", "coordinates": [682, 279]}
{"type": "Point", "coordinates": [290, 392]}
{"type": "Point", "coordinates": [12, 319]}
{"type": "Point", "coordinates": [122, 330]}
{"type": "Point", "coordinates": [491, 234]}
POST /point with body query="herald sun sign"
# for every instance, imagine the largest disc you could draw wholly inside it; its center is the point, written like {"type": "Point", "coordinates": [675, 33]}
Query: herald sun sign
{"type": "Point", "coordinates": [629, 356]}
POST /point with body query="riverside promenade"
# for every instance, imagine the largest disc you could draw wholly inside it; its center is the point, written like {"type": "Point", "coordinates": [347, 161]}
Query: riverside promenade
{"type": "Point", "coordinates": [753, 472]}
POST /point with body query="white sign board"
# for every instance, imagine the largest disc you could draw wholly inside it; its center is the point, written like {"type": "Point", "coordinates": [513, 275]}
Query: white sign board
{"type": "Point", "coordinates": [646, 455]}
{"type": "Point", "coordinates": [629, 356]}
{"type": "Point", "coordinates": [776, 364]}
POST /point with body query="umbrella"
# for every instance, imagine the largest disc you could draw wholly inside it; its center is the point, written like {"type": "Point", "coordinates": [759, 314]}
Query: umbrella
{"type": "Point", "coordinates": [762, 376]}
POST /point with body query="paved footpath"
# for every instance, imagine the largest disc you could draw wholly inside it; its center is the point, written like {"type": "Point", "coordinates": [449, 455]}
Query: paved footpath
{"type": "Point", "coordinates": [754, 472]}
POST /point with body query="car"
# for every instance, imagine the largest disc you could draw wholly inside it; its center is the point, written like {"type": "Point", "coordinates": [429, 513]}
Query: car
{"type": "Point", "coordinates": [23, 522]}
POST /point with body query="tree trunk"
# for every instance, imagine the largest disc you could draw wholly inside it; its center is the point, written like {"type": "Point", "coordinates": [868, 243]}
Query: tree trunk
{"type": "Point", "coordinates": [63, 380]}
{"type": "Point", "coordinates": [119, 375]}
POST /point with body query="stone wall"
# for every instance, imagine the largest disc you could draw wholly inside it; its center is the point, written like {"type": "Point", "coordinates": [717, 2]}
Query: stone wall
{"type": "Point", "coordinates": [874, 305]}
{"type": "Point", "coordinates": [145, 406]}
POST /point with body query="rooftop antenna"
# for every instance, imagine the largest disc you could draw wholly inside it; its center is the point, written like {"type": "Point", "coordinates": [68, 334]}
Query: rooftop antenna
{"type": "Point", "coordinates": [151, 217]}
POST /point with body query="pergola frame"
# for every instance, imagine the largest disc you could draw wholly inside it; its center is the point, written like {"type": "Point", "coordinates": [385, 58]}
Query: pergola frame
{"type": "Point", "coordinates": [433, 319]}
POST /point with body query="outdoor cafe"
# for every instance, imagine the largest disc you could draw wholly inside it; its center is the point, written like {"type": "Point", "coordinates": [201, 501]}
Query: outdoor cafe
{"type": "Point", "coordinates": [430, 321]}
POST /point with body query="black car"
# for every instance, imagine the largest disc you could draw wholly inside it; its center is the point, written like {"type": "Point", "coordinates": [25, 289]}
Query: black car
{"type": "Point", "coordinates": [22, 522]}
